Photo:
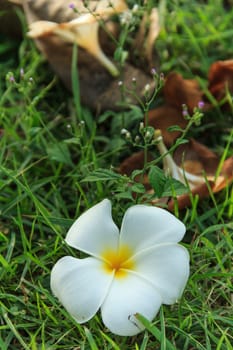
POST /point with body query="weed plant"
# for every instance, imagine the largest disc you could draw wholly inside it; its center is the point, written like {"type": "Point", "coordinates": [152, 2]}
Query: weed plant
{"type": "Point", "coordinates": [54, 165]}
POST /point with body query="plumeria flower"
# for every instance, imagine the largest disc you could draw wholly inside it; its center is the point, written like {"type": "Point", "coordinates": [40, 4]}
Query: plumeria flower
{"type": "Point", "coordinates": [128, 272]}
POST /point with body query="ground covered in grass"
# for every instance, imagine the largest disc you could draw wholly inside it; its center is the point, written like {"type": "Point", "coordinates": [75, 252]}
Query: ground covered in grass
{"type": "Point", "coordinates": [47, 156]}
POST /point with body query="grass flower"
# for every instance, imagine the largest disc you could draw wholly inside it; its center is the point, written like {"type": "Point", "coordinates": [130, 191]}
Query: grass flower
{"type": "Point", "coordinates": [128, 272]}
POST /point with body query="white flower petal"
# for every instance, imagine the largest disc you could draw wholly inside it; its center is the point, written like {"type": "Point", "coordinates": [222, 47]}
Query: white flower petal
{"type": "Point", "coordinates": [166, 267]}
{"type": "Point", "coordinates": [94, 231]}
{"type": "Point", "coordinates": [128, 296]}
{"type": "Point", "coordinates": [144, 226]}
{"type": "Point", "coordinates": [80, 285]}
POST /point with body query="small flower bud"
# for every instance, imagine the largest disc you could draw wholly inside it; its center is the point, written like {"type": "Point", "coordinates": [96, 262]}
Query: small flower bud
{"type": "Point", "coordinates": [128, 135]}
{"type": "Point", "coordinates": [161, 77]}
{"type": "Point", "coordinates": [124, 131]}
{"type": "Point", "coordinates": [11, 79]}
{"type": "Point", "coordinates": [147, 88]}
{"type": "Point", "coordinates": [147, 135]}
{"type": "Point", "coordinates": [73, 7]}
{"type": "Point", "coordinates": [201, 104]}
{"type": "Point", "coordinates": [141, 126]}
{"type": "Point", "coordinates": [153, 71]}
{"type": "Point", "coordinates": [21, 73]}
{"type": "Point", "coordinates": [135, 8]}
{"type": "Point", "coordinates": [81, 123]}
{"type": "Point", "coordinates": [185, 113]}
{"type": "Point", "coordinates": [126, 17]}
{"type": "Point", "coordinates": [137, 139]}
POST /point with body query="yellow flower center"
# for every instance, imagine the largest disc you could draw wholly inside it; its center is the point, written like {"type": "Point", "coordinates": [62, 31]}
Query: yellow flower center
{"type": "Point", "coordinates": [119, 262]}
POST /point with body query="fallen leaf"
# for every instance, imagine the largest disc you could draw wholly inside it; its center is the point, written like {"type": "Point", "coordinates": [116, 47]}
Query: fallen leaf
{"type": "Point", "coordinates": [163, 117]}
{"type": "Point", "coordinates": [179, 91]}
{"type": "Point", "coordinates": [193, 164]}
{"type": "Point", "coordinates": [98, 89]}
{"type": "Point", "coordinates": [221, 79]}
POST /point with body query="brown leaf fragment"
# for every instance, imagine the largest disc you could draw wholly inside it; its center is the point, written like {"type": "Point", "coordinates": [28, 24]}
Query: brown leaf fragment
{"type": "Point", "coordinates": [98, 89]}
{"type": "Point", "coordinates": [220, 78]}
{"type": "Point", "coordinates": [165, 116]}
{"type": "Point", "coordinates": [135, 161]}
{"type": "Point", "coordinates": [193, 164]}
{"type": "Point", "coordinates": [196, 158]}
{"type": "Point", "coordinates": [202, 191]}
{"type": "Point", "coordinates": [179, 91]}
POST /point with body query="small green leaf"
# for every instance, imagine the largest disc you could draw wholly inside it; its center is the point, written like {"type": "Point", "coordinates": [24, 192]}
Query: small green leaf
{"type": "Point", "coordinates": [157, 179]}
{"type": "Point", "coordinates": [165, 186]}
{"type": "Point", "coordinates": [181, 141]}
{"type": "Point", "coordinates": [138, 188]}
{"type": "Point", "coordinates": [102, 175]}
{"type": "Point", "coordinates": [174, 187]}
{"type": "Point", "coordinates": [174, 128]}
{"type": "Point", "coordinates": [59, 152]}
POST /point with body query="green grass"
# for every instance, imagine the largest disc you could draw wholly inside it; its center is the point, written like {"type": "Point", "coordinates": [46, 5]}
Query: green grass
{"type": "Point", "coordinates": [46, 153]}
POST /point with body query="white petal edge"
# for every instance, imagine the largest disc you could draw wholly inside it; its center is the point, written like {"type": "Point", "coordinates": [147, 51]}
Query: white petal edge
{"type": "Point", "coordinates": [80, 285]}
{"type": "Point", "coordinates": [166, 267]}
{"type": "Point", "coordinates": [144, 226]}
{"type": "Point", "coordinates": [94, 231]}
{"type": "Point", "coordinates": [128, 296]}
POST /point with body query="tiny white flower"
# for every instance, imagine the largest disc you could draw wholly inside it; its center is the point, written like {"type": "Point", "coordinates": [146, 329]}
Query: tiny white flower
{"type": "Point", "coordinates": [124, 131]}
{"type": "Point", "coordinates": [126, 17]}
{"type": "Point", "coordinates": [141, 126]}
{"type": "Point", "coordinates": [128, 272]}
{"type": "Point", "coordinates": [147, 88]}
{"type": "Point", "coordinates": [135, 8]}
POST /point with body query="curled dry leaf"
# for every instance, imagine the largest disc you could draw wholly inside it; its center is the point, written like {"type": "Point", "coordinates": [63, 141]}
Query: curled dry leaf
{"type": "Point", "coordinates": [221, 79]}
{"type": "Point", "coordinates": [198, 167]}
{"type": "Point", "coordinates": [179, 91]}
{"type": "Point", "coordinates": [193, 164]}
{"type": "Point", "coordinates": [163, 117]}
{"type": "Point", "coordinates": [215, 183]}
{"type": "Point", "coordinates": [82, 30]}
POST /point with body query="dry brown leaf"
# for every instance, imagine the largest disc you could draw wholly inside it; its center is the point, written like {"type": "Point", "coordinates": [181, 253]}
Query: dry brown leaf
{"type": "Point", "coordinates": [193, 163]}
{"type": "Point", "coordinates": [179, 91]}
{"type": "Point", "coordinates": [221, 78]}
{"type": "Point", "coordinates": [197, 157]}
{"type": "Point", "coordinates": [83, 30]}
{"type": "Point", "coordinates": [202, 191]}
{"type": "Point", "coordinates": [163, 117]}
{"type": "Point", "coordinates": [98, 89]}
